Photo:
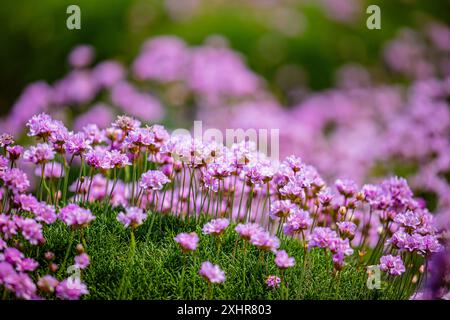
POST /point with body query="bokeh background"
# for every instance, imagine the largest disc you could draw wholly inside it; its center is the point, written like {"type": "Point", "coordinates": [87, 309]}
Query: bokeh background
{"type": "Point", "coordinates": [356, 103]}
{"type": "Point", "coordinates": [315, 36]}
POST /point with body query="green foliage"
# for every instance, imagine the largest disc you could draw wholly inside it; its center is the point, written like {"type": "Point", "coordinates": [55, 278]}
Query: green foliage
{"type": "Point", "coordinates": [157, 267]}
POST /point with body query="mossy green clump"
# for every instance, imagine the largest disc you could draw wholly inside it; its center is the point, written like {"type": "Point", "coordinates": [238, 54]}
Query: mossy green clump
{"type": "Point", "coordinates": [156, 269]}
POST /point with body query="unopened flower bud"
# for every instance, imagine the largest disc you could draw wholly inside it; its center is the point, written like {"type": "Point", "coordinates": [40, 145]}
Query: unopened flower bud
{"type": "Point", "coordinates": [80, 248]}
{"type": "Point", "coordinates": [342, 210]}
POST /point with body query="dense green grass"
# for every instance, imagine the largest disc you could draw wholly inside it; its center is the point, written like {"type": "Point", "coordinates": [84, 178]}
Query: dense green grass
{"type": "Point", "coordinates": [156, 271]}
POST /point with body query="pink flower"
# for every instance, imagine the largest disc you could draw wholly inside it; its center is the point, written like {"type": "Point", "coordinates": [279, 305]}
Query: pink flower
{"type": "Point", "coordinates": [71, 289]}
{"type": "Point", "coordinates": [82, 261]}
{"type": "Point", "coordinates": [322, 237]}
{"type": "Point", "coordinates": [53, 170]}
{"type": "Point", "coordinates": [153, 180]}
{"type": "Point", "coordinates": [47, 283]}
{"type": "Point", "coordinates": [212, 272]}
{"type": "Point", "coordinates": [75, 216]}
{"type": "Point", "coordinates": [41, 125]}
{"type": "Point", "coordinates": [81, 56]}
{"type": "Point", "coordinates": [133, 217]}
{"type": "Point", "coordinates": [117, 159]}
{"type": "Point", "coordinates": [392, 264]}
{"type": "Point", "coordinates": [44, 212]}
{"type": "Point", "coordinates": [14, 152]}
{"type": "Point", "coordinates": [281, 209]}
{"type": "Point", "coordinates": [273, 282]}
{"type": "Point", "coordinates": [31, 230]}
{"type": "Point", "coordinates": [27, 265]}
{"type": "Point", "coordinates": [77, 144]}
{"type": "Point", "coordinates": [347, 229]}
{"type": "Point", "coordinates": [42, 153]}
{"type": "Point", "coordinates": [187, 241]}
{"type": "Point", "coordinates": [6, 140]}
{"type": "Point", "coordinates": [264, 241]}
{"type": "Point", "coordinates": [283, 261]}
{"type": "Point", "coordinates": [347, 188]}
{"type": "Point", "coordinates": [216, 227]}
{"type": "Point", "coordinates": [246, 231]}
{"type": "Point", "coordinates": [98, 158]}
{"type": "Point", "coordinates": [297, 222]}
{"type": "Point", "coordinates": [15, 179]}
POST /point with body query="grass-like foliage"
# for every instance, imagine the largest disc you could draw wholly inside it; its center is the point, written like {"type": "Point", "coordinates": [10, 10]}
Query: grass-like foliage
{"type": "Point", "coordinates": [159, 269]}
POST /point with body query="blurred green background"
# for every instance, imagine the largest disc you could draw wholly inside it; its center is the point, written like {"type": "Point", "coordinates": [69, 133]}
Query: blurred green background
{"type": "Point", "coordinates": [271, 34]}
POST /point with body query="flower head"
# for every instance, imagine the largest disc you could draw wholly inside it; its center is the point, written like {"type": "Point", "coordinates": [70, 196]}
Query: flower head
{"type": "Point", "coordinates": [216, 226]}
{"type": "Point", "coordinates": [82, 261]}
{"type": "Point", "coordinates": [42, 153]}
{"type": "Point", "coordinates": [273, 282]}
{"type": "Point", "coordinates": [297, 222]}
{"type": "Point", "coordinates": [71, 289]}
{"type": "Point", "coordinates": [153, 180]}
{"type": "Point", "coordinates": [246, 231]}
{"type": "Point", "coordinates": [283, 261]}
{"type": "Point", "coordinates": [133, 217]}
{"type": "Point", "coordinates": [392, 264]}
{"type": "Point", "coordinates": [187, 241]}
{"type": "Point", "coordinates": [212, 272]}
{"type": "Point", "coordinates": [281, 209]}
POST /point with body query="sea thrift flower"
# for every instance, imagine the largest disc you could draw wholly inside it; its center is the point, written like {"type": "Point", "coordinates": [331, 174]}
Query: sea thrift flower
{"type": "Point", "coordinates": [211, 272]}
{"type": "Point", "coordinates": [187, 241]}
{"type": "Point", "coordinates": [264, 241]}
{"type": "Point", "coordinates": [281, 209]}
{"type": "Point", "coordinates": [246, 231]}
{"type": "Point", "coordinates": [44, 212]}
{"type": "Point", "coordinates": [98, 158]}
{"type": "Point", "coordinates": [153, 180]}
{"type": "Point", "coordinates": [22, 285]}
{"type": "Point", "coordinates": [41, 125]}
{"type": "Point", "coordinates": [31, 230]}
{"type": "Point", "coordinates": [75, 216]}
{"type": "Point", "coordinates": [82, 261]}
{"type": "Point", "coordinates": [77, 144]}
{"type": "Point", "coordinates": [392, 264]}
{"type": "Point", "coordinates": [283, 261]}
{"type": "Point", "coordinates": [6, 140]}
{"type": "Point", "coordinates": [81, 56]}
{"type": "Point", "coordinates": [126, 123]}
{"type": "Point", "coordinates": [133, 217]}
{"type": "Point", "coordinates": [216, 226]}
{"type": "Point", "coordinates": [47, 283]}
{"type": "Point", "coordinates": [27, 202]}
{"type": "Point", "coordinates": [14, 152]}
{"type": "Point", "coordinates": [52, 170]}
{"type": "Point", "coordinates": [42, 153]}
{"type": "Point", "coordinates": [27, 265]}
{"type": "Point", "coordinates": [71, 289]}
{"type": "Point", "coordinates": [347, 188]}
{"type": "Point", "coordinates": [347, 229]}
{"type": "Point", "coordinates": [15, 179]}
{"type": "Point", "coordinates": [297, 222]}
{"type": "Point", "coordinates": [273, 282]}
{"type": "Point", "coordinates": [322, 237]}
